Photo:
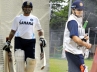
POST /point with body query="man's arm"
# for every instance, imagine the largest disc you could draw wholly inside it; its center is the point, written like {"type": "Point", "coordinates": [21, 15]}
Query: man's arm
{"type": "Point", "coordinates": [73, 28]}
{"type": "Point", "coordinates": [80, 42]}
{"type": "Point", "coordinates": [12, 32]}
{"type": "Point", "coordinates": [40, 33]}
{"type": "Point", "coordinates": [41, 38]}
{"type": "Point", "coordinates": [8, 40]}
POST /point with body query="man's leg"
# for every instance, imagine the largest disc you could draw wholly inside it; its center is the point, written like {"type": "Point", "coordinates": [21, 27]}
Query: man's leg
{"type": "Point", "coordinates": [71, 65]}
{"type": "Point", "coordinates": [31, 63]}
{"type": "Point", "coordinates": [30, 55]}
{"type": "Point", "coordinates": [76, 63]}
{"type": "Point", "coordinates": [19, 57]}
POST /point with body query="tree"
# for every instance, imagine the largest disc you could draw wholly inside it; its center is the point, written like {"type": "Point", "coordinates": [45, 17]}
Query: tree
{"type": "Point", "coordinates": [59, 14]}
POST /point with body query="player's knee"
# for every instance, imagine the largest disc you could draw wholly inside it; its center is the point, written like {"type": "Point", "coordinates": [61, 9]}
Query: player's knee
{"type": "Point", "coordinates": [30, 61]}
{"type": "Point", "coordinates": [19, 58]}
{"type": "Point", "coordinates": [19, 54]}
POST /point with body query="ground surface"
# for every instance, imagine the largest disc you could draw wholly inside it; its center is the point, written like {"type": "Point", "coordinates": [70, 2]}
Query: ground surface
{"type": "Point", "coordinates": [60, 65]}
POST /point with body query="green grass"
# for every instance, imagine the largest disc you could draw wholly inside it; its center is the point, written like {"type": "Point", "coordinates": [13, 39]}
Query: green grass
{"type": "Point", "coordinates": [60, 65]}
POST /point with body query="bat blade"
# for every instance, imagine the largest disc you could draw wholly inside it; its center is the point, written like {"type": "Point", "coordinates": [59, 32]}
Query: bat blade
{"type": "Point", "coordinates": [8, 63]}
{"type": "Point", "coordinates": [44, 62]}
{"type": "Point", "coordinates": [6, 69]}
{"type": "Point", "coordinates": [42, 58]}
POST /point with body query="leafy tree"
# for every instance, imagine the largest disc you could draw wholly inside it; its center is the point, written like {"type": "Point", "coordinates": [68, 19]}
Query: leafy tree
{"type": "Point", "coordinates": [59, 14]}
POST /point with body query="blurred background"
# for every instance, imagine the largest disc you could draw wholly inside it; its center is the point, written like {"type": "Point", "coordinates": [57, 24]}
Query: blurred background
{"type": "Point", "coordinates": [59, 13]}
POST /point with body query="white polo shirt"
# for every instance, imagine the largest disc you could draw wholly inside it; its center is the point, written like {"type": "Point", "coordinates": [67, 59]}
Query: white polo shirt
{"type": "Point", "coordinates": [25, 26]}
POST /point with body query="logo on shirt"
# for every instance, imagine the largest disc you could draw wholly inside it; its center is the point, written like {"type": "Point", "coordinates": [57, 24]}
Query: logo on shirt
{"type": "Point", "coordinates": [31, 19]}
{"type": "Point", "coordinates": [81, 4]}
{"type": "Point", "coordinates": [26, 22]}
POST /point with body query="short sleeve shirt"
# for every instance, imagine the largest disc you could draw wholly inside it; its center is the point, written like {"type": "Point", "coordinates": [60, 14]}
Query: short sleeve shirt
{"type": "Point", "coordinates": [73, 28]}
{"type": "Point", "coordinates": [25, 26]}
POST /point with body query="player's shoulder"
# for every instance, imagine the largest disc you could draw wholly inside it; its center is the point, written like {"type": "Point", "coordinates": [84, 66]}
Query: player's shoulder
{"type": "Point", "coordinates": [72, 23]}
{"type": "Point", "coordinates": [71, 17]}
{"type": "Point", "coordinates": [18, 16]}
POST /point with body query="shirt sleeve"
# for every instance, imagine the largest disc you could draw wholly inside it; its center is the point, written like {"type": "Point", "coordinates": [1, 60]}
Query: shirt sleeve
{"type": "Point", "coordinates": [73, 28]}
{"type": "Point", "coordinates": [37, 25]}
{"type": "Point", "coordinates": [14, 24]}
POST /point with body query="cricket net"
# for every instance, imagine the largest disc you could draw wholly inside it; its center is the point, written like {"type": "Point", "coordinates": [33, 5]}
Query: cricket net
{"type": "Point", "coordinates": [1, 55]}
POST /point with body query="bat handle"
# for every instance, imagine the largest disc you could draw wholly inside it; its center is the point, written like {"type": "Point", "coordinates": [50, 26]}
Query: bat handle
{"type": "Point", "coordinates": [85, 24]}
{"type": "Point", "coordinates": [41, 47]}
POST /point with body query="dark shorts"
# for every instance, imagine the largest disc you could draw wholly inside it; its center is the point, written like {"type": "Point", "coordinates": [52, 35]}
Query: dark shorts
{"type": "Point", "coordinates": [28, 45]}
{"type": "Point", "coordinates": [74, 62]}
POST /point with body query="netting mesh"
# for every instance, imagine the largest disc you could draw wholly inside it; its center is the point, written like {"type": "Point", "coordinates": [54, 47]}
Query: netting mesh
{"type": "Point", "coordinates": [1, 55]}
{"type": "Point", "coordinates": [90, 14]}
{"type": "Point", "coordinates": [11, 8]}
{"type": "Point", "coordinates": [8, 10]}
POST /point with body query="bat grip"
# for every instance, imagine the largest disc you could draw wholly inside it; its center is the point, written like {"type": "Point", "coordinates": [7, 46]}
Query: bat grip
{"type": "Point", "coordinates": [41, 48]}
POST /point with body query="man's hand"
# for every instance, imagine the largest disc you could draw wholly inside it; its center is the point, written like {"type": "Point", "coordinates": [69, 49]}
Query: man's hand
{"type": "Point", "coordinates": [7, 45]}
{"type": "Point", "coordinates": [42, 41]}
{"type": "Point", "coordinates": [86, 37]}
{"type": "Point", "coordinates": [87, 45]}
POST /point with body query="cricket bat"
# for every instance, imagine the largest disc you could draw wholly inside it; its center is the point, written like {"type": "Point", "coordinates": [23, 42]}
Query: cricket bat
{"type": "Point", "coordinates": [8, 63]}
{"type": "Point", "coordinates": [85, 24]}
{"type": "Point", "coordinates": [42, 57]}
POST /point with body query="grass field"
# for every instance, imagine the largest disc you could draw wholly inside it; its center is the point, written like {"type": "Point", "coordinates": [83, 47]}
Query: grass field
{"type": "Point", "coordinates": [60, 65]}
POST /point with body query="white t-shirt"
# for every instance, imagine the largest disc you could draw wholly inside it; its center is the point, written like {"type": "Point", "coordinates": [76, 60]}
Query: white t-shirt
{"type": "Point", "coordinates": [25, 26]}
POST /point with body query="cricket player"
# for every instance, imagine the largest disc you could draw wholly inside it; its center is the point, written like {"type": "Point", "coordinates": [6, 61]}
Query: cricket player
{"type": "Point", "coordinates": [24, 41]}
{"type": "Point", "coordinates": [75, 39]}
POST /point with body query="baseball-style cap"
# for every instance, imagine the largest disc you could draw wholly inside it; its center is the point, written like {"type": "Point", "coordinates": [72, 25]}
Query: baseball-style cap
{"type": "Point", "coordinates": [77, 5]}
{"type": "Point", "coordinates": [27, 3]}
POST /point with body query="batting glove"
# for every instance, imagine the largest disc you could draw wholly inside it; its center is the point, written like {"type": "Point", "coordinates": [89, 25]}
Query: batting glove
{"type": "Point", "coordinates": [7, 45]}
{"type": "Point", "coordinates": [42, 41]}
{"type": "Point", "coordinates": [84, 39]}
